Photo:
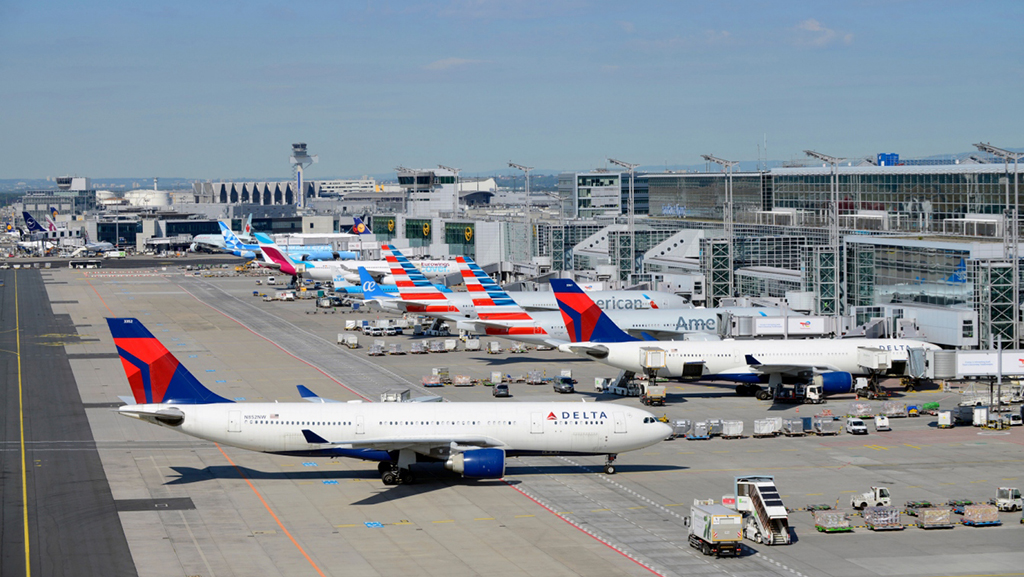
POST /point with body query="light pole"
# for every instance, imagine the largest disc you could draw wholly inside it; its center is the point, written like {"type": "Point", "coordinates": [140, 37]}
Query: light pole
{"type": "Point", "coordinates": [727, 216]}
{"type": "Point", "coordinates": [528, 219]}
{"type": "Point", "coordinates": [632, 212]}
{"type": "Point", "coordinates": [1007, 155]}
{"type": "Point", "coordinates": [833, 161]}
{"type": "Point", "coordinates": [455, 202]}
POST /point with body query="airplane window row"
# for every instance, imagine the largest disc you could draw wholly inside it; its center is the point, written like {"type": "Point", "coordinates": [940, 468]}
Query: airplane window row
{"type": "Point", "coordinates": [579, 422]}
{"type": "Point", "coordinates": [400, 423]}
{"type": "Point", "coordinates": [308, 423]}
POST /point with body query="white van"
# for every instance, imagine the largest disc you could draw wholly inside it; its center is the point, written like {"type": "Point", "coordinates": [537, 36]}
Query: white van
{"type": "Point", "coordinates": [271, 280]}
{"type": "Point", "coordinates": [855, 426]}
{"type": "Point", "coordinates": [882, 423]}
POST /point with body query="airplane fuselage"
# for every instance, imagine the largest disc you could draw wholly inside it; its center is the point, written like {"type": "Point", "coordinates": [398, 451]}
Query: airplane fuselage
{"type": "Point", "coordinates": [517, 428]}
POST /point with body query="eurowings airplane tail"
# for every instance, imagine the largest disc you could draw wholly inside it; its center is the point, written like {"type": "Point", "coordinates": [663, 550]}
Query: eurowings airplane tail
{"type": "Point", "coordinates": [153, 373]}
{"type": "Point", "coordinates": [359, 227]}
{"type": "Point", "coordinates": [32, 224]}
{"type": "Point", "coordinates": [584, 320]}
{"type": "Point", "coordinates": [276, 256]}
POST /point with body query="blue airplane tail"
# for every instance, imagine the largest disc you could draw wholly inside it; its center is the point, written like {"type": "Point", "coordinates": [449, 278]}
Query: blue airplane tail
{"type": "Point", "coordinates": [370, 288]}
{"type": "Point", "coordinates": [959, 273]}
{"type": "Point", "coordinates": [154, 374]}
{"type": "Point", "coordinates": [359, 227]}
{"type": "Point", "coordinates": [32, 224]}
{"type": "Point", "coordinates": [584, 320]}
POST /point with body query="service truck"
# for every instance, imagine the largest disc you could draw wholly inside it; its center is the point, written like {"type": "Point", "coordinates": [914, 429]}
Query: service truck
{"type": "Point", "coordinates": [715, 529]}
{"type": "Point", "coordinates": [1007, 499]}
{"type": "Point", "coordinates": [877, 496]}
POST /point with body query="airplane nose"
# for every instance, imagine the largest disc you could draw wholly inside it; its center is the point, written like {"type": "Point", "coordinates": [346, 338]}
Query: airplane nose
{"type": "Point", "coordinates": [666, 430]}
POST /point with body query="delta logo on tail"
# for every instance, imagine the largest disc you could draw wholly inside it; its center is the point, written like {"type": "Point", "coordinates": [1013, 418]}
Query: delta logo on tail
{"type": "Point", "coordinates": [584, 320]}
{"type": "Point", "coordinates": [359, 227]}
{"type": "Point", "coordinates": [154, 374]}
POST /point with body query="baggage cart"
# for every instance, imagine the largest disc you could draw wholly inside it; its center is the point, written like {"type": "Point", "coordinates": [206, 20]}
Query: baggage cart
{"type": "Point", "coordinates": [432, 381]}
{"type": "Point", "coordinates": [832, 521]}
{"type": "Point", "coordinates": [497, 377]}
{"type": "Point", "coordinates": [518, 348]}
{"type": "Point", "coordinates": [894, 409]}
{"type": "Point", "coordinates": [715, 427]}
{"type": "Point", "coordinates": [395, 349]}
{"type": "Point", "coordinates": [777, 423]}
{"type": "Point", "coordinates": [883, 519]}
{"type": "Point", "coordinates": [793, 427]}
{"type": "Point", "coordinates": [437, 347]}
{"type": "Point", "coordinates": [826, 426]}
{"type": "Point", "coordinates": [732, 429]}
{"type": "Point", "coordinates": [451, 345]}
{"type": "Point", "coordinates": [463, 381]}
{"type": "Point", "coordinates": [680, 427]}
{"type": "Point", "coordinates": [352, 341]}
{"type": "Point", "coordinates": [763, 428]}
{"type": "Point", "coordinates": [980, 515]}
{"type": "Point", "coordinates": [935, 518]}
{"type": "Point", "coordinates": [534, 378]}
{"type": "Point", "coordinates": [698, 432]}
{"type": "Point", "coordinates": [493, 348]}
{"type": "Point", "coordinates": [441, 373]}
{"type": "Point", "coordinates": [861, 410]}
{"type": "Point", "coordinates": [416, 348]}
{"type": "Point", "coordinates": [473, 345]}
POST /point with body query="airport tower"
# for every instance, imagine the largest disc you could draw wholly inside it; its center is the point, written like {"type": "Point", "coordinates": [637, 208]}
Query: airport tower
{"type": "Point", "coordinates": [300, 160]}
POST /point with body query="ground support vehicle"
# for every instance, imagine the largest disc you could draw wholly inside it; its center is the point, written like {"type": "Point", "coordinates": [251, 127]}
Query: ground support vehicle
{"type": "Point", "coordinates": [1007, 499]}
{"type": "Point", "coordinates": [945, 420]}
{"type": "Point", "coordinates": [856, 426]}
{"type": "Point", "coordinates": [980, 515]}
{"type": "Point", "coordinates": [877, 496]}
{"type": "Point", "coordinates": [715, 529]}
{"type": "Point", "coordinates": [882, 423]}
{"type": "Point", "coordinates": [653, 396]}
{"type": "Point", "coordinates": [883, 519]}
{"type": "Point", "coordinates": [564, 385]}
{"type": "Point", "coordinates": [766, 518]}
{"type": "Point", "coordinates": [832, 521]}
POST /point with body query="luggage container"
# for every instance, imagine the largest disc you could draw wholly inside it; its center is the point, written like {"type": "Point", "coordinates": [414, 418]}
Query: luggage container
{"type": "Point", "coordinates": [376, 350]}
{"type": "Point", "coordinates": [832, 521]}
{"type": "Point", "coordinates": [395, 396]}
{"type": "Point", "coordinates": [698, 432]}
{"type": "Point", "coordinates": [935, 518]}
{"type": "Point", "coordinates": [351, 341]}
{"type": "Point", "coordinates": [732, 429]}
{"type": "Point", "coordinates": [981, 515]}
{"type": "Point", "coordinates": [534, 378]}
{"type": "Point", "coordinates": [883, 519]}
{"type": "Point", "coordinates": [894, 409]}
{"type": "Point", "coordinates": [945, 419]}
{"type": "Point", "coordinates": [793, 427]}
{"type": "Point", "coordinates": [493, 348]}
{"type": "Point", "coordinates": [395, 349]}
{"type": "Point", "coordinates": [497, 377]}
{"type": "Point", "coordinates": [451, 345]}
{"type": "Point", "coordinates": [715, 427]}
{"type": "Point", "coordinates": [432, 381]}
{"type": "Point", "coordinates": [463, 381]}
{"type": "Point", "coordinates": [777, 423]}
{"type": "Point", "coordinates": [437, 347]}
{"type": "Point", "coordinates": [680, 427]}
{"type": "Point", "coordinates": [472, 345]}
{"type": "Point", "coordinates": [826, 426]}
{"type": "Point", "coordinates": [441, 373]}
{"type": "Point", "coordinates": [351, 325]}
{"type": "Point", "coordinates": [764, 428]}
{"type": "Point", "coordinates": [417, 348]}
{"type": "Point", "coordinates": [861, 410]}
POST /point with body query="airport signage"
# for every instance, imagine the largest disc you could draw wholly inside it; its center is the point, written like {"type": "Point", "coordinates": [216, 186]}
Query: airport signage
{"type": "Point", "coordinates": [986, 363]}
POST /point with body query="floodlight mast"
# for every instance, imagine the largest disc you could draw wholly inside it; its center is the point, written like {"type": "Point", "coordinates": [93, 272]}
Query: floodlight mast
{"type": "Point", "coordinates": [833, 162]}
{"type": "Point", "coordinates": [727, 211]}
{"type": "Point", "coordinates": [1014, 237]}
{"type": "Point", "coordinates": [455, 203]}
{"type": "Point", "coordinates": [632, 212]}
{"type": "Point", "coordinates": [528, 218]}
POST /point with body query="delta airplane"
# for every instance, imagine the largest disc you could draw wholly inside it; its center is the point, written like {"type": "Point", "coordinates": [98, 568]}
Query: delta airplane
{"type": "Point", "coordinates": [830, 362]}
{"type": "Point", "coordinates": [471, 439]}
{"type": "Point", "coordinates": [419, 298]}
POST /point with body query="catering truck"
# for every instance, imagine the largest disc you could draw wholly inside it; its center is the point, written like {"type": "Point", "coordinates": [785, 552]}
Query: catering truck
{"type": "Point", "coordinates": [715, 529]}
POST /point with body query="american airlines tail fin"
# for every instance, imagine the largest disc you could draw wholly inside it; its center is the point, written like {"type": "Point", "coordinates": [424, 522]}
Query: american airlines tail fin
{"type": "Point", "coordinates": [584, 320]}
{"type": "Point", "coordinates": [359, 227]}
{"type": "Point", "coordinates": [491, 301]}
{"type": "Point", "coordinates": [412, 284]}
{"type": "Point", "coordinates": [32, 224]}
{"type": "Point", "coordinates": [153, 373]}
{"type": "Point", "coordinates": [370, 288]}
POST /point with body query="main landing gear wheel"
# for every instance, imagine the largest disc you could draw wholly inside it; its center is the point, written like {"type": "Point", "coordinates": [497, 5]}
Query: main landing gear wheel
{"type": "Point", "coordinates": [763, 395]}
{"type": "Point", "coordinates": [389, 477]}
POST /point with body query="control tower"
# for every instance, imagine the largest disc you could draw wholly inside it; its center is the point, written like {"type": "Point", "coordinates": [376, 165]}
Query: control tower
{"type": "Point", "coordinates": [300, 160]}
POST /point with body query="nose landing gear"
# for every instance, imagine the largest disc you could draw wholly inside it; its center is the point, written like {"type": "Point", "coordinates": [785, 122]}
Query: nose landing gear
{"type": "Point", "coordinates": [609, 467]}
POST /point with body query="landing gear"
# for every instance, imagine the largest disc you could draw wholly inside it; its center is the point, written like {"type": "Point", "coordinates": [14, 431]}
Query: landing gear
{"type": "Point", "coordinates": [390, 474]}
{"type": "Point", "coordinates": [609, 467]}
{"type": "Point", "coordinates": [763, 394]}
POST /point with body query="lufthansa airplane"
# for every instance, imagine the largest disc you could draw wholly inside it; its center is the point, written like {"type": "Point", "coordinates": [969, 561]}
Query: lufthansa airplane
{"type": "Point", "coordinates": [471, 439]}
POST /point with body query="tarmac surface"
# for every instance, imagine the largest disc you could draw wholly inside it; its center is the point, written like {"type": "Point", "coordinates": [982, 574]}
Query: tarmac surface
{"type": "Point", "coordinates": [189, 507]}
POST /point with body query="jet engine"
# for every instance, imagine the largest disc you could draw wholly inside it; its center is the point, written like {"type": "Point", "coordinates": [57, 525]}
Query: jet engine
{"type": "Point", "coordinates": [478, 463]}
{"type": "Point", "coordinates": [834, 383]}
{"type": "Point", "coordinates": [387, 279]}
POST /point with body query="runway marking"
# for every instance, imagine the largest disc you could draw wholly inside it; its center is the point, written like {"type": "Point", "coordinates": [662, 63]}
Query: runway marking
{"type": "Point", "coordinates": [446, 521]}
{"type": "Point", "coordinates": [195, 542]}
{"type": "Point", "coordinates": [21, 426]}
{"type": "Point", "coordinates": [523, 516]}
{"type": "Point", "coordinates": [877, 447]}
{"type": "Point", "coordinates": [484, 519]}
{"type": "Point", "coordinates": [95, 291]}
{"type": "Point", "coordinates": [269, 510]}
{"type": "Point", "coordinates": [911, 446]}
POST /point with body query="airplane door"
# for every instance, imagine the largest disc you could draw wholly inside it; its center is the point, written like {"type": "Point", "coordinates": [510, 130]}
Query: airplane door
{"type": "Point", "coordinates": [359, 425]}
{"type": "Point", "coordinates": [620, 422]}
{"type": "Point", "coordinates": [234, 421]}
{"type": "Point", "coordinates": [536, 423]}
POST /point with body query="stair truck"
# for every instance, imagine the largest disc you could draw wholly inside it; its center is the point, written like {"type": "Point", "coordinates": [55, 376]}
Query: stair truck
{"type": "Point", "coordinates": [766, 518]}
{"type": "Point", "coordinates": [714, 529]}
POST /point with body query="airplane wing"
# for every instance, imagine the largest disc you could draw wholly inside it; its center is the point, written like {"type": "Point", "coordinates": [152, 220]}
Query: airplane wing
{"type": "Point", "coordinates": [789, 370]}
{"type": "Point", "coordinates": [418, 444]}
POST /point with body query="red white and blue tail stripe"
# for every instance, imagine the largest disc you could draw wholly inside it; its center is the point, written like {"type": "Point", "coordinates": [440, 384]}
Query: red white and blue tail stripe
{"type": "Point", "coordinates": [493, 304]}
{"type": "Point", "coordinates": [413, 285]}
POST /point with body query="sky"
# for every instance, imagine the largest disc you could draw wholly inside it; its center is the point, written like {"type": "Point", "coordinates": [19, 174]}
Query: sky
{"type": "Point", "coordinates": [217, 89]}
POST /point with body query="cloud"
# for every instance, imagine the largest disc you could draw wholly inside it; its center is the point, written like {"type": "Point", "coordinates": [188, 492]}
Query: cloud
{"type": "Point", "coordinates": [627, 27]}
{"type": "Point", "coordinates": [449, 63]}
{"type": "Point", "coordinates": [810, 32]}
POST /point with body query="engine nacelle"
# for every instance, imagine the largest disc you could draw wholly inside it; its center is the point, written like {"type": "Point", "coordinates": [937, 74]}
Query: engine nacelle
{"type": "Point", "coordinates": [352, 278]}
{"type": "Point", "coordinates": [478, 463]}
{"type": "Point", "coordinates": [834, 383]}
{"type": "Point", "coordinates": [387, 279]}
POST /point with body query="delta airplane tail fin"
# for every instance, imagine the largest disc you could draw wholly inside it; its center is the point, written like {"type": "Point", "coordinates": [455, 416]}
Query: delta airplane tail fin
{"type": "Point", "coordinates": [370, 288]}
{"type": "Point", "coordinates": [32, 224]}
{"type": "Point", "coordinates": [584, 320]}
{"type": "Point", "coordinates": [154, 374]}
{"type": "Point", "coordinates": [359, 227]}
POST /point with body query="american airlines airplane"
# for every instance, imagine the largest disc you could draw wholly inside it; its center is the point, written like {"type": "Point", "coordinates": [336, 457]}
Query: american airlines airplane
{"type": "Point", "coordinates": [830, 362]}
{"type": "Point", "coordinates": [471, 439]}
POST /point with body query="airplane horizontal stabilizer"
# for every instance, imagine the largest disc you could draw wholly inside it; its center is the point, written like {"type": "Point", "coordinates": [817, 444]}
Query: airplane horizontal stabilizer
{"type": "Point", "coordinates": [312, 397]}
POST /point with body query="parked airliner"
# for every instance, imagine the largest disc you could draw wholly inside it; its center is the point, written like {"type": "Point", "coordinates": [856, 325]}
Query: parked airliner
{"type": "Point", "coordinates": [472, 439]}
{"type": "Point", "coordinates": [830, 362]}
